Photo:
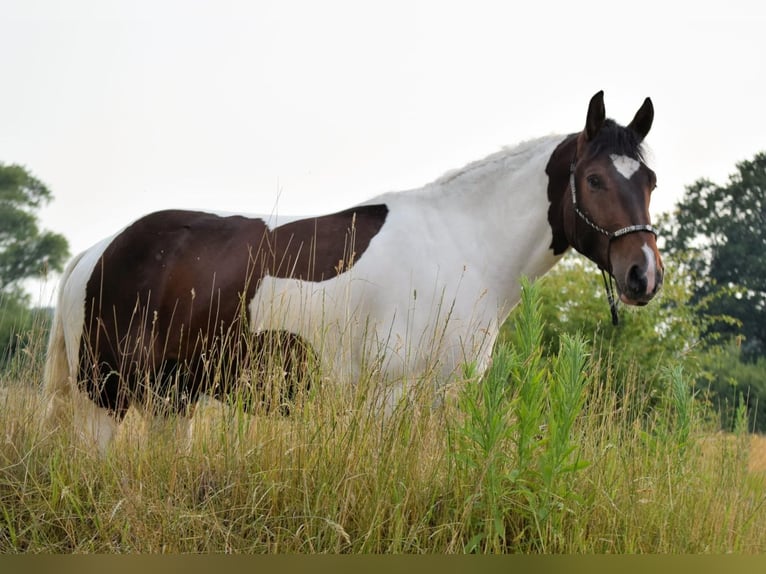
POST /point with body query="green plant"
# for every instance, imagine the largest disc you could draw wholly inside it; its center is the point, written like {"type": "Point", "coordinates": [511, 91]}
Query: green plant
{"type": "Point", "coordinates": [516, 443]}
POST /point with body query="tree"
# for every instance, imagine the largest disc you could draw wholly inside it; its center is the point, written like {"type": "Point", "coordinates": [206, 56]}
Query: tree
{"type": "Point", "coordinates": [722, 230]}
{"type": "Point", "coordinates": [25, 250]}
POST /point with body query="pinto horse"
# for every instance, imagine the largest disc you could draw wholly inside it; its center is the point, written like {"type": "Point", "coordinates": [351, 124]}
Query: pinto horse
{"type": "Point", "coordinates": [415, 278]}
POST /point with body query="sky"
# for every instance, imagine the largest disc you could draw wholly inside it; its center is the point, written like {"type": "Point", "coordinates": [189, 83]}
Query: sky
{"type": "Point", "coordinates": [301, 107]}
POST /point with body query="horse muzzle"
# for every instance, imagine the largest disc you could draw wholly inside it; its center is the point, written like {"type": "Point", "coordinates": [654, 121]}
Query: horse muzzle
{"type": "Point", "coordinates": [640, 284]}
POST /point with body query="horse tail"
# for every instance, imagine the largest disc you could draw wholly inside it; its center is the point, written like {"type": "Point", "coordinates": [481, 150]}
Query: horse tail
{"type": "Point", "coordinates": [59, 375]}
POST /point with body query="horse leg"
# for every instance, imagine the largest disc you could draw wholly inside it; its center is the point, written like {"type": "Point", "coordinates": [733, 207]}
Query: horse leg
{"type": "Point", "coordinates": [178, 427]}
{"type": "Point", "coordinates": [185, 429]}
{"type": "Point", "coordinates": [95, 424]}
{"type": "Point", "coordinates": [57, 377]}
{"type": "Point", "coordinates": [60, 372]}
{"type": "Point", "coordinates": [170, 399]}
{"type": "Point", "coordinates": [92, 424]}
{"type": "Point", "coordinates": [65, 403]}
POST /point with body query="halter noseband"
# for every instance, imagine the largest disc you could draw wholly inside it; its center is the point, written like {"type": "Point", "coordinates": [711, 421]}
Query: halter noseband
{"type": "Point", "coordinates": [611, 235]}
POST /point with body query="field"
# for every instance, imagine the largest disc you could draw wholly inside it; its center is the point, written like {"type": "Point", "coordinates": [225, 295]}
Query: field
{"type": "Point", "coordinates": [536, 457]}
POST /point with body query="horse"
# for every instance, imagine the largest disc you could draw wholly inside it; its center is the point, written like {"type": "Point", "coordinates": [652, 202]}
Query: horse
{"type": "Point", "coordinates": [420, 279]}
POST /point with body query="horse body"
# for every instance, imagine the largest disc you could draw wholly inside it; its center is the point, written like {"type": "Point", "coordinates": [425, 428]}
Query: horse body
{"type": "Point", "coordinates": [412, 283]}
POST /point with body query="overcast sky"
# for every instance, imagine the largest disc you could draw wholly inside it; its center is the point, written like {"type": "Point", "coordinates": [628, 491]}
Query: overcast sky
{"type": "Point", "coordinates": [123, 108]}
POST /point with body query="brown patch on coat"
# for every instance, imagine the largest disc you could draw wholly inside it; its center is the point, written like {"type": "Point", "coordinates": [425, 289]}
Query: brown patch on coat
{"type": "Point", "coordinates": [166, 305]}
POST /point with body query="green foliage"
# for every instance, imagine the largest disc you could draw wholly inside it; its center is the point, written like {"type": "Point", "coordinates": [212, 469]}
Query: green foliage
{"type": "Point", "coordinates": [23, 332]}
{"type": "Point", "coordinates": [666, 331]}
{"type": "Point", "coordinates": [723, 229]}
{"type": "Point", "coordinates": [14, 318]}
{"type": "Point", "coordinates": [717, 235]}
{"type": "Point", "coordinates": [671, 332]}
{"type": "Point", "coordinates": [25, 250]}
{"type": "Point", "coordinates": [735, 385]}
{"type": "Point", "coordinates": [679, 404]}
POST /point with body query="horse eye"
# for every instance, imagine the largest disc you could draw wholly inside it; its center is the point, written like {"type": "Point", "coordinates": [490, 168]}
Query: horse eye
{"type": "Point", "coordinates": [594, 181]}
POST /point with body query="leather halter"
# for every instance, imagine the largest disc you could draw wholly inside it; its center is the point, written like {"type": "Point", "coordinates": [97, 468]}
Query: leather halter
{"type": "Point", "coordinates": [611, 235]}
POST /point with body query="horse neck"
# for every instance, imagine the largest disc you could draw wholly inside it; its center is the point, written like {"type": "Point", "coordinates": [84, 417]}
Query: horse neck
{"type": "Point", "coordinates": [493, 215]}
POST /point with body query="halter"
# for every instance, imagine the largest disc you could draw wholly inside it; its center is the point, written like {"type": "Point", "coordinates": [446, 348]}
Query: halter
{"type": "Point", "coordinates": [611, 235]}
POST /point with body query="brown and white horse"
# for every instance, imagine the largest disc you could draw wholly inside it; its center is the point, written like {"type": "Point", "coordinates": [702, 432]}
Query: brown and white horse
{"type": "Point", "coordinates": [414, 279]}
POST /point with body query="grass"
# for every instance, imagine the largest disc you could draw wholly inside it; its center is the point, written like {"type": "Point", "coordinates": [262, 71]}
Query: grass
{"type": "Point", "coordinates": [536, 457]}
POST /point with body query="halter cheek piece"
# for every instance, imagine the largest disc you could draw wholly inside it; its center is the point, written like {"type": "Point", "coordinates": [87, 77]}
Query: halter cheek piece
{"type": "Point", "coordinates": [611, 235]}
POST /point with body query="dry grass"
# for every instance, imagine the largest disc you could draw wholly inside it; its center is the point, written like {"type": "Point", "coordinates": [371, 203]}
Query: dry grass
{"type": "Point", "coordinates": [756, 460]}
{"type": "Point", "coordinates": [494, 471]}
{"type": "Point", "coordinates": [337, 482]}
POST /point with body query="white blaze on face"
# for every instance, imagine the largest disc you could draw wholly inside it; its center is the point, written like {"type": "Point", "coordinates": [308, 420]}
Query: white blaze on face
{"type": "Point", "coordinates": [651, 268]}
{"type": "Point", "coordinates": [627, 166]}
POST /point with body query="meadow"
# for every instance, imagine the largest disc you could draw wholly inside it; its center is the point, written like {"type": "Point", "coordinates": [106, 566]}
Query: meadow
{"type": "Point", "coordinates": [541, 455]}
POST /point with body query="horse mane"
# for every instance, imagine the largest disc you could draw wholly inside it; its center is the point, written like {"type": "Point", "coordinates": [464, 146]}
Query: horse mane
{"type": "Point", "coordinates": [518, 154]}
{"type": "Point", "coordinates": [612, 137]}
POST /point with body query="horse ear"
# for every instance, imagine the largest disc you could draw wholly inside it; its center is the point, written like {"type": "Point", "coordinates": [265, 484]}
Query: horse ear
{"type": "Point", "coordinates": [596, 115]}
{"type": "Point", "coordinates": [642, 122]}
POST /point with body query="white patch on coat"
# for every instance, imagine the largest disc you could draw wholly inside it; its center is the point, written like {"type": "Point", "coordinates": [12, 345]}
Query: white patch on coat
{"type": "Point", "coordinates": [71, 301]}
{"type": "Point", "coordinates": [627, 166]}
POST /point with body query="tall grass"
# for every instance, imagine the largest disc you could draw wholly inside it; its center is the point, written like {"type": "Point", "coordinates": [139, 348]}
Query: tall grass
{"type": "Point", "coordinates": [535, 456]}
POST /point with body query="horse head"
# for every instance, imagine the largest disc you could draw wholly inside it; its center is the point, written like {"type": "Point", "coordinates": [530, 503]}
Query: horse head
{"type": "Point", "coordinates": [604, 209]}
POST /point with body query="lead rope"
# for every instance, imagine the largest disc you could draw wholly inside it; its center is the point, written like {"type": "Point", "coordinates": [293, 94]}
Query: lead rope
{"type": "Point", "coordinates": [609, 286]}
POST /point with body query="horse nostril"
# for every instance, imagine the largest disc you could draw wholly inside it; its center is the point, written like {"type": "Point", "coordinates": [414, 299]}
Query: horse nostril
{"type": "Point", "coordinates": [637, 282]}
